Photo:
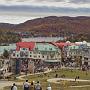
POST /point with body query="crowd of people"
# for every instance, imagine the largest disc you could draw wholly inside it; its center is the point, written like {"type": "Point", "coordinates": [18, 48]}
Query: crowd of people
{"type": "Point", "coordinates": [31, 86]}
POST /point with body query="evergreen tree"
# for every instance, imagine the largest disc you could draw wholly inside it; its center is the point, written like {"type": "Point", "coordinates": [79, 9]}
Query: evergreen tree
{"type": "Point", "coordinates": [6, 54]}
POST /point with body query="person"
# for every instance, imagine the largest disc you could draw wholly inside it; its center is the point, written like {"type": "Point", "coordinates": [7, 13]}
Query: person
{"type": "Point", "coordinates": [75, 78]}
{"type": "Point", "coordinates": [14, 87]}
{"type": "Point", "coordinates": [78, 77]}
{"type": "Point", "coordinates": [37, 86]}
{"type": "Point", "coordinates": [49, 87]}
{"type": "Point", "coordinates": [26, 85]}
{"type": "Point", "coordinates": [56, 75]}
{"type": "Point", "coordinates": [32, 85]}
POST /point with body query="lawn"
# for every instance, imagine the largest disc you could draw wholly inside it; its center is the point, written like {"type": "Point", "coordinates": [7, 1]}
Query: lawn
{"type": "Point", "coordinates": [68, 74]}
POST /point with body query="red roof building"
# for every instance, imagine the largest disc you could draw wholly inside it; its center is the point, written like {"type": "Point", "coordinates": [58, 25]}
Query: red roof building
{"type": "Point", "coordinates": [60, 45]}
{"type": "Point", "coordinates": [29, 45]}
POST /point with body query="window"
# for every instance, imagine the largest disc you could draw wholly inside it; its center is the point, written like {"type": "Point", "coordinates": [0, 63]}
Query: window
{"type": "Point", "coordinates": [50, 48]}
{"type": "Point", "coordinates": [42, 56]}
{"type": "Point", "coordinates": [30, 52]}
{"type": "Point", "coordinates": [13, 54]}
{"type": "Point", "coordinates": [30, 55]}
{"type": "Point", "coordinates": [39, 56]}
{"type": "Point", "coordinates": [21, 53]}
{"type": "Point", "coordinates": [17, 55]}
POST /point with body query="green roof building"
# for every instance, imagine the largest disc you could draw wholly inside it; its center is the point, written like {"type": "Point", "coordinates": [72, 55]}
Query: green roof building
{"type": "Point", "coordinates": [46, 47]}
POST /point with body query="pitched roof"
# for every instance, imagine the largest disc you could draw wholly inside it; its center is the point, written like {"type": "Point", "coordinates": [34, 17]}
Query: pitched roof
{"type": "Point", "coordinates": [29, 45]}
{"type": "Point", "coordinates": [60, 45]}
{"type": "Point", "coordinates": [46, 47]}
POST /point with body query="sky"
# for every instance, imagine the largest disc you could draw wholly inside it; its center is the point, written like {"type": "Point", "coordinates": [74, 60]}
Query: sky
{"type": "Point", "coordinates": [19, 11]}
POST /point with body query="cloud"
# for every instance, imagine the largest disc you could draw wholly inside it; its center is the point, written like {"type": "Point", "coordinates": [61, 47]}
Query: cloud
{"type": "Point", "coordinates": [42, 9]}
{"type": "Point", "coordinates": [36, 0]}
{"type": "Point", "coordinates": [57, 3]}
{"type": "Point", "coordinates": [79, 1]}
{"type": "Point", "coordinates": [51, 0]}
{"type": "Point", "coordinates": [55, 6]}
{"type": "Point", "coordinates": [14, 19]}
{"type": "Point", "coordinates": [10, 9]}
{"type": "Point", "coordinates": [71, 1]}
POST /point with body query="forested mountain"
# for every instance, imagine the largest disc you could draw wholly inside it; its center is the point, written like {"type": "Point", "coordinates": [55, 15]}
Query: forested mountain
{"type": "Point", "coordinates": [6, 26]}
{"type": "Point", "coordinates": [54, 24]}
{"type": "Point", "coordinates": [75, 27]}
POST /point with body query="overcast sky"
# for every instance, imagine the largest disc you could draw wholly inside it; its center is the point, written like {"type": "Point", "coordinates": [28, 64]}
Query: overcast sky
{"type": "Point", "coordinates": [18, 11]}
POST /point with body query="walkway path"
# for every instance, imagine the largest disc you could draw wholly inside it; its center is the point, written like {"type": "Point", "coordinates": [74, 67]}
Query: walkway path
{"type": "Point", "coordinates": [5, 83]}
{"type": "Point", "coordinates": [21, 77]}
{"type": "Point", "coordinates": [80, 86]}
{"type": "Point", "coordinates": [8, 83]}
{"type": "Point", "coordinates": [56, 80]}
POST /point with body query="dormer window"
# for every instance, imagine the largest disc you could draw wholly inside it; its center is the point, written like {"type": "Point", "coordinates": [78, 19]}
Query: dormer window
{"type": "Point", "coordinates": [36, 48]}
{"type": "Point", "coordinates": [24, 48]}
{"type": "Point", "coordinates": [50, 48]}
{"type": "Point", "coordinates": [30, 52]}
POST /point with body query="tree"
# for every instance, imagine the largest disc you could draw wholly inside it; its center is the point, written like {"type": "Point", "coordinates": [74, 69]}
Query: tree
{"type": "Point", "coordinates": [6, 54]}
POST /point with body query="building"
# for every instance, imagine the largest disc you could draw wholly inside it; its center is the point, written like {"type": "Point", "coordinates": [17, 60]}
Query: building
{"type": "Point", "coordinates": [86, 56]}
{"type": "Point", "coordinates": [31, 57]}
{"type": "Point", "coordinates": [79, 50]}
{"type": "Point", "coordinates": [36, 52]}
{"type": "Point", "coordinates": [42, 39]}
{"type": "Point", "coordinates": [10, 47]}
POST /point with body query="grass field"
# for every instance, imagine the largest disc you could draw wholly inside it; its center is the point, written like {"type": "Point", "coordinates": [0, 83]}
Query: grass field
{"type": "Point", "coordinates": [68, 74]}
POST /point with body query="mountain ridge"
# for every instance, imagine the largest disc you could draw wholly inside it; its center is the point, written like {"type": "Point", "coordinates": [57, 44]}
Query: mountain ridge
{"type": "Point", "coordinates": [53, 26]}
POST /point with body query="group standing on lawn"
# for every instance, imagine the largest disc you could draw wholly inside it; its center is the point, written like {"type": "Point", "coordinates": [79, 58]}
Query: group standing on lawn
{"type": "Point", "coordinates": [32, 86]}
